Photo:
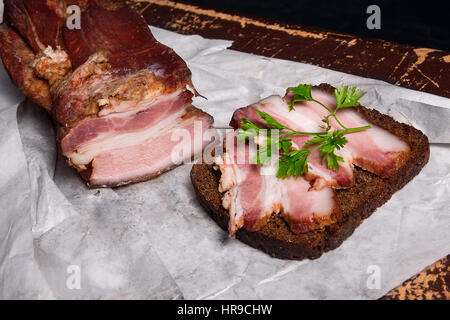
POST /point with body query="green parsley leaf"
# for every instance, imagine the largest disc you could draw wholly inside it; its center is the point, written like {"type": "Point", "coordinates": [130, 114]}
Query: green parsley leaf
{"type": "Point", "coordinates": [301, 93]}
{"type": "Point", "coordinates": [293, 163]}
{"type": "Point", "coordinates": [315, 140]}
{"type": "Point", "coordinates": [346, 97]}
{"type": "Point", "coordinates": [247, 125]}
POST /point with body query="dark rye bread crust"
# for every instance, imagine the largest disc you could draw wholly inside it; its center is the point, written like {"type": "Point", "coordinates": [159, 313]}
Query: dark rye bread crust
{"type": "Point", "coordinates": [356, 203]}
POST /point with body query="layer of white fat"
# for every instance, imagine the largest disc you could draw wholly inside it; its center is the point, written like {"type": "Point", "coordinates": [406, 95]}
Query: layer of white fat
{"type": "Point", "coordinates": [272, 188]}
{"type": "Point", "coordinates": [133, 105]}
{"type": "Point", "coordinates": [297, 119]}
{"type": "Point", "coordinates": [323, 202]}
{"type": "Point", "coordinates": [88, 151]}
{"type": "Point", "coordinates": [235, 210]}
{"type": "Point", "coordinates": [272, 194]}
{"type": "Point", "coordinates": [285, 198]}
{"type": "Point", "coordinates": [231, 199]}
{"type": "Point", "coordinates": [160, 165]}
{"type": "Point", "coordinates": [273, 191]}
{"type": "Point", "coordinates": [384, 140]}
{"type": "Point", "coordinates": [228, 176]}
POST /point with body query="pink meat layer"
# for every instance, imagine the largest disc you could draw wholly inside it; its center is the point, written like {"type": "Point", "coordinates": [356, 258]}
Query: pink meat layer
{"type": "Point", "coordinates": [152, 157]}
{"type": "Point", "coordinates": [308, 202]}
{"type": "Point", "coordinates": [251, 196]}
{"type": "Point", "coordinates": [102, 127]}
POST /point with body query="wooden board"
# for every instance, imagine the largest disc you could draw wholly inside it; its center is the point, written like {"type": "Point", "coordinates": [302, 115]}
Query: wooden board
{"type": "Point", "coordinates": [431, 283]}
{"type": "Point", "coordinates": [416, 68]}
{"type": "Point", "coordinates": [410, 67]}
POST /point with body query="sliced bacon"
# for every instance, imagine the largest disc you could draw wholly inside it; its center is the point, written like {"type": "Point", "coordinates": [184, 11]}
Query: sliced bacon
{"type": "Point", "coordinates": [131, 162]}
{"type": "Point", "coordinates": [97, 129]}
{"type": "Point", "coordinates": [243, 184]}
{"type": "Point", "coordinates": [304, 208]}
{"type": "Point", "coordinates": [252, 194]}
{"type": "Point", "coordinates": [308, 202]}
{"type": "Point", "coordinates": [115, 93]}
{"type": "Point", "coordinates": [305, 120]}
{"type": "Point", "coordinates": [375, 150]}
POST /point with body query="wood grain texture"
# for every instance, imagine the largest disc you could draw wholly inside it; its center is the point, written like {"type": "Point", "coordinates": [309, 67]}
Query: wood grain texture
{"type": "Point", "coordinates": [421, 69]}
{"type": "Point", "coordinates": [431, 284]}
{"type": "Point", "coordinates": [415, 68]}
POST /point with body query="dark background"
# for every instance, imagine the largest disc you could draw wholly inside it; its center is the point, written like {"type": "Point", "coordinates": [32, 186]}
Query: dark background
{"type": "Point", "coordinates": [419, 23]}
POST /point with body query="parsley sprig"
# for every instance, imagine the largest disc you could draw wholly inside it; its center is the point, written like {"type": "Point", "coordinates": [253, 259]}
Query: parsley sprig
{"type": "Point", "coordinates": [294, 162]}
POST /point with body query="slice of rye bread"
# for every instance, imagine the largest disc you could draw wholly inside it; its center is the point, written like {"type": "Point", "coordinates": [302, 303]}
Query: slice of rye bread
{"type": "Point", "coordinates": [356, 203]}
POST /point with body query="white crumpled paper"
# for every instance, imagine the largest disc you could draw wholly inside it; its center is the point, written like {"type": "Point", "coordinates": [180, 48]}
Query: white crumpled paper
{"type": "Point", "coordinates": [154, 240]}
